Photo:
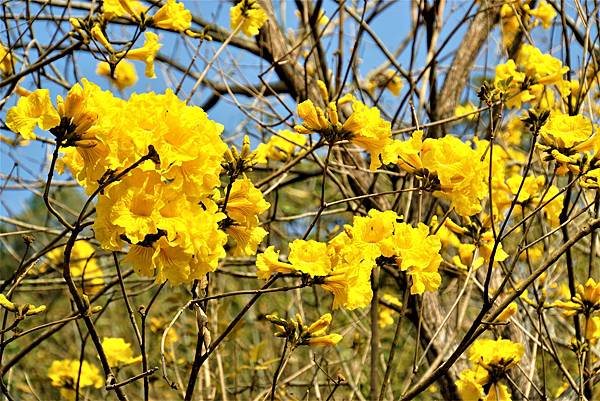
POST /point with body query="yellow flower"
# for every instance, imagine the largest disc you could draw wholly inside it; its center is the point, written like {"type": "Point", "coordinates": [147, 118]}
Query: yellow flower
{"type": "Point", "coordinates": [470, 384]}
{"type": "Point", "coordinates": [121, 8]}
{"type": "Point", "coordinates": [406, 154]}
{"type": "Point", "coordinates": [418, 255]}
{"type": "Point", "coordinates": [99, 36]}
{"type": "Point", "coordinates": [592, 329]}
{"type": "Point", "coordinates": [460, 172]}
{"type": "Point", "coordinates": [310, 257]}
{"type": "Point", "coordinates": [66, 373]}
{"type": "Point", "coordinates": [491, 359]}
{"type": "Point", "coordinates": [350, 278]}
{"type": "Point", "coordinates": [586, 300]}
{"type": "Point", "coordinates": [118, 352]}
{"type": "Point", "coordinates": [249, 16]}
{"type": "Point", "coordinates": [498, 355]}
{"type": "Point", "coordinates": [124, 76]}
{"type": "Point", "coordinates": [245, 237]}
{"type": "Point", "coordinates": [507, 313]}
{"type": "Point", "coordinates": [34, 109]}
{"type": "Point", "coordinates": [147, 53]}
{"type": "Point", "coordinates": [279, 147]}
{"type": "Point", "coordinates": [369, 130]}
{"type": "Point", "coordinates": [268, 263]}
{"type": "Point", "coordinates": [325, 341]}
{"type": "Point", "coordinates": [6, 62]}
{"type": "Point", "coordinates": [136, 206]}
{"type": "Point", "coordinates": [245, 201]}
{"type": "Point", "coordinates": [544, 13]}
{"type": "Point", "coordinates": [466, 110]}
{"type": "Point", "coordinates": [563, 131]}
{"type": "Point", "coordinates": [542, 68]}
{"type": "Point", "coordinates": [84, 266]}
{"type": "Point", "coordinates": [173, 16]}
{"type": "Point", "coordinates": [375, 228]}
{"type": "Point", "coordinates": [313, 116]}
{"type": "Point", "coordinates": [388, 79]}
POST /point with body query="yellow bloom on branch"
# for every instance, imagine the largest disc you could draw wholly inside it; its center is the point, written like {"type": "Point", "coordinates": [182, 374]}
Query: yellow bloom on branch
{"type": "Point", "coordinates": [173, 16]}
{"type": "Point", "coordinates": [249, 15]}
{"type": "Point", "coordinates": [268, 263]}
{"type": "Point", "coordinates": [33, 110]}
{"type": "Point", "coordinates": [147, 53]}
{"type": "Point", "coordinates": [118, 352]}
{"type": "Point", "coordinates": [6, 62]}
{"type": "Point", "coordinates": [121, 8]}
{"type": "Point", "coordinates": [67, 373]}
{"type": "Point", "coordinates": [124, 75]}
{"type": "Point", "coordinates": [310, 257]}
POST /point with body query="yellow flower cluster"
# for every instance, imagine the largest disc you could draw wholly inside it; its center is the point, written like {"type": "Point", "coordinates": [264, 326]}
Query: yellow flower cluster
{"type": "Point", "coordinates": [153, 207]}
{"type": "Point", "coordinates": [118, 352]}
{"type": "Point", "coordinates": [448, 166]}
{"type": "Point", "coordinates": [6, 62]}
{"type": "Point", "coordinates": [249, 16]}
{"type": "Point", "coordinates": [363, 127]}
{"type": "Point", "coordinates": [280, 147]}
{"type": "Point", "coordinates": [171, 16]}
{"type": "Point", "coordinates": [526, 79]}
{"type": "Point", "coordinates": [518, 15]}
{"type": "Point", "coordinates": [66, 373]}
{"type": "Point", "coordinates": [244, 203]}
{"type": "Point", "coordinates": [84, 265]}
{"type": "Point", "coordinates": [297, 333]}
{"type": "Point", "coordinates": [473, 240]}
{"type": "Point", "coordinates": [124, 75]}
{"type": "Point", "coordinates": [565, 137]}
{"type": "Point", "coordinates": [586, 302]}
{"type": "Point", "coordinates": [491, 360]}
{"type": "Point", "coordinates": [343, 266]}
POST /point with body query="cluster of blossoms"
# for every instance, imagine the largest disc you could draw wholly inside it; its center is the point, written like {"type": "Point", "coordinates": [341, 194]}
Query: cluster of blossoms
{"type": "Point", "coordinates": [363, 127]}
{"type": "Point", "coordinates": [518, 15]}
{"type": "Point", "coordinates": [586, 302]}
{"type": "Point", "coordinates": [526, 79]}
{"type": "Point", "coordinates": [68, 375]}
{"type": "Point", "coordinates": [491, 360]}
{"type": "Point", "coordinates": [572, 142]}
{"type": "Point", "coordinates": [167, 208]}
{"type": "Point", "coordinates": [297, 333]}
{"type": "Point", "coordinates": [449, 167]}
{"type": "Point", "coordinates": [280, 147]}
{"type": "Point", "coordinates": [84, 266]}
{"type": "Point", "coordinates": [343, 265]}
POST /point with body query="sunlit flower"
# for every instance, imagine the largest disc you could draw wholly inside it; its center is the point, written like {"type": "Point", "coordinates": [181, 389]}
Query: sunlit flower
{"type": "Point", "coordinates": [147, 53]}
{"type": "Point", "coordinates": [118, 352]}
{"type": "Point", "coordinates": [249, 16]}
{"type": "Point", "coordinates": [6, 61]}
{"type": "Point", "coordinates": [67, 373]}
{"type": "Point", "coordinates": [268, 263]}
{"type": "Point", "coordinates": [124, 75]}
{"type": "Point", "coordinates": [33, 110]}
{"type": "Point", "coordinates": [173, 16]}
